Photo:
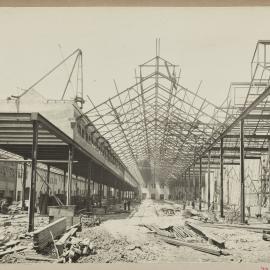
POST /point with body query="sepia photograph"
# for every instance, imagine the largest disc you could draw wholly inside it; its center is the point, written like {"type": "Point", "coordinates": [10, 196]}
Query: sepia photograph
{"type": "Point", "coordinates": [134, 135]}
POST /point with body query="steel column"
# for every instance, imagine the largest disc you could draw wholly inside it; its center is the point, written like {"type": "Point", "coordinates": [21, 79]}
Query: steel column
{"type": "Point", "coordinates": [69, 180]}
{"type": "Point", "coordinates": [194, 187]}
{"type": "Point", "coordinates": [208, 182]}
{"type": "Point", "coordinates": [189, 185]}
{"type": "Point", "coordinates": [242, 173]}
{"type": "Point", "coordinates": [48, 187]}
{"type": "Point", "coordinates": [269, 175]}
{"type": "Point", "coordinates": [24, 184]}
{"type": "Point", "coordinates": [89, 176]}
{"type": "Point", "coordinates": [221, 177]}
{"type": "Point", "coordinates": [200, 186]}
{"type": "Point", "coordinates": [185, 190]}
{"type": "Point", "coordinates": [65, 177]}
{"type": "Point", "coordinates": [32, 199]}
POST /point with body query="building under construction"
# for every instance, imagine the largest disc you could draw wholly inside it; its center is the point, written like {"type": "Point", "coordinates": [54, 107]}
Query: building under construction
{"type": "Point", "coordinates": [152, 168]}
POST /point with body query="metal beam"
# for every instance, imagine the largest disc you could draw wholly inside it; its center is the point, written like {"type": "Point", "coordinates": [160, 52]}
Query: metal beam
{"type": "Point", "coordinates": [48, 189]}
{"type": "Point", "coordinates": [208, 182]}
{"type": "Point", "coordinates": [23, 185]}
{"type": "Point", "coordinates": [200, 186]}
{"type": "Point", "coordinates": [32, 198]}
{"type": "Point", "coordinates": [69, 180]}
{"type": "Point", "coordinates": [242, 116]}
{"type": "Point", "coordinates": [88, 186]}
{"type": "Point", "coordinates": [194, 187]}
{"type": "Point", "coordinates": [242, 172]}
{"type": "Point", "coordinates": [221, 177]}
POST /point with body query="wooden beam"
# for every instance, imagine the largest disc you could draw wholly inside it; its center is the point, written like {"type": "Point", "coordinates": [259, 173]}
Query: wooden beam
{"type": "Point", "coordinates": [42, 237]}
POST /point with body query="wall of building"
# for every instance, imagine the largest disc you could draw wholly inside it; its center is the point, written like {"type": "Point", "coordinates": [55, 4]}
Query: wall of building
{"type": "Point", "coordinates": [56, 182]}
{"type": "Point", "coordinates": [8, 180]}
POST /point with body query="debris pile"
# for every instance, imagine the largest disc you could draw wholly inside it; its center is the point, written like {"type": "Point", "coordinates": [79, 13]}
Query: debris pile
{"type": "Point", "coordinates": [75, 248]}
{"type": "Point", "coordinates": [90, 220]}
{"type": "Point", "coordinates": [167, 211]}
{"type": "Point", "coordinates": [232, 216]}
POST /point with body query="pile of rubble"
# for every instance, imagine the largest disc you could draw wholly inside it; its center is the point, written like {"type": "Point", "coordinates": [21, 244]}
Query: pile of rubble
{"type": "Point", "coordinates": [76, 248]}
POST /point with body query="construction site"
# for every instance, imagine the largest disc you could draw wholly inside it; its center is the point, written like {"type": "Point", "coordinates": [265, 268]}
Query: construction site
{"type": "Point", "coordinates": [154, 173]}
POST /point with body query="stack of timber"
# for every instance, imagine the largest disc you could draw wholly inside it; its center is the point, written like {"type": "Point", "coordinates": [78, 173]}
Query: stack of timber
{"type": "Point", "coordinates": [62, 242]}
{"type": "Point", "coordinates": [217, 241]}
{"type": "Point", "coordinates": [8, 246]}
{"type": "Point", "coordinates": [44, 236]}
{"type": "Point", "coordinates": [158, 231]}
{"type": "Point", "coordinates": [182, 232]}
{"type": "Point", "coordinates": [258, 229]}
{"type": "Point", "coordinates": [216, 252]}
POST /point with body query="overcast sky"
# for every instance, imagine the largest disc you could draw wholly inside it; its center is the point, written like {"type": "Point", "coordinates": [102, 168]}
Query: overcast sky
{"type": "Point", "coordinates": [214, 45]}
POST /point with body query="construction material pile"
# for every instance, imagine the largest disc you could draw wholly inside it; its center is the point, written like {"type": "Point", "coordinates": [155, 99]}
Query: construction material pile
{"type": "Point", "coordinates": [90, 220]}
{"type": "Point", "coordinates": [232, 216]}
{"type": "Point", "coordinates": [75, 248]}
{"type": "Point", "coordinates": [191, 236]}
{"type": "Point", "coordinates": [167, 211]}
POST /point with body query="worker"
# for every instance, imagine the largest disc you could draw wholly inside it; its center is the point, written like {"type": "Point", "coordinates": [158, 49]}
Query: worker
{"type": "Point", "coordinates": [125, 204]}
{"type": "Point", "coordinates": [128, 204]}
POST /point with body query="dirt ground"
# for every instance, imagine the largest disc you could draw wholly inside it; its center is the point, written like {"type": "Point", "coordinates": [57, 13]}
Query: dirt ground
{"type": "Point", "coordinates": [122, 238]}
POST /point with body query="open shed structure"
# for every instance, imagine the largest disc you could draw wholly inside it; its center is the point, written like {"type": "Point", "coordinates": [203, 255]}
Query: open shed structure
{"type": "Point", "coordinates": [156, 129]}
{"type": "Point", "coordinates": [160, 126]}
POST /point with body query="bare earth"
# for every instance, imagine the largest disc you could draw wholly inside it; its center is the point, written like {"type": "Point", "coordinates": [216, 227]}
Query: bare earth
{"type": "Point", "coordinates": [122, 238]}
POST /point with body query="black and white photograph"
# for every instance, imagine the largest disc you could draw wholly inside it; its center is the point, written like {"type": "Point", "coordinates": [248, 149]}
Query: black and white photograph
{"type": "Point", "coordinates": [135, 135]}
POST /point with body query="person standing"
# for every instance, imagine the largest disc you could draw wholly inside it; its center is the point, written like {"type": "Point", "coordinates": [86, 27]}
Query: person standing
{"type": "Point", "coordinates": [128, 204]}
{"type": "Point", "coordinates": [125, 204]}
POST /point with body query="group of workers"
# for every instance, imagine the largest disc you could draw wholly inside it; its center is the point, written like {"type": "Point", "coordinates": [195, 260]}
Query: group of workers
{"type": "Point", "coordinates": [127, 203]}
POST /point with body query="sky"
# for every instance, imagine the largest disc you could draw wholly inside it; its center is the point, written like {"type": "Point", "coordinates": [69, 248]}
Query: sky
{"type": "Point", "coordinates": [214, 45]}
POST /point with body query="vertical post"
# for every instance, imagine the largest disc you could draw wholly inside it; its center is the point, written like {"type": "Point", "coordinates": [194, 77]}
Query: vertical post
{"type": "Point", "coordinates": [269, 175]}
{"type": "Point", "coordinates": [69, 180]}
{"type": "Point", "coordinates": [65, 177]}
{"type": "Point", "coordinates": [48, 178]}
{"type": "Point", "coordinates": [24, 184]}
{"type": "Point", "coordinates": [200, 185]}
{"type": "Point", "coordinates": [189, 185]}
{"type": "Point", "coordinates": [89, 176]}
{"type": "Point", "coordinates": [242, 173]}
{"type": "Point", "coordinates": [185, 180]}
{"type": "Point", "coordinates": [221, 177]}
{"type": "Point", "coordinates": [208, 182]}
{"type": "Point", "coordinates": [194, 186]}
{"type": "Point", "coordinates": [31, 210]}
{"type": "Point", "coordinates": [100, 194]}
{"type": "Point", "coordinates": [48, 190]}
{"type": "Point", "coordinates": [228, 189]}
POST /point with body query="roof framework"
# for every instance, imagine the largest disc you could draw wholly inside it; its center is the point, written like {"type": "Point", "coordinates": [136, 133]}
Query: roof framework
{"type": "Point", "coordinates": [159, 120]}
